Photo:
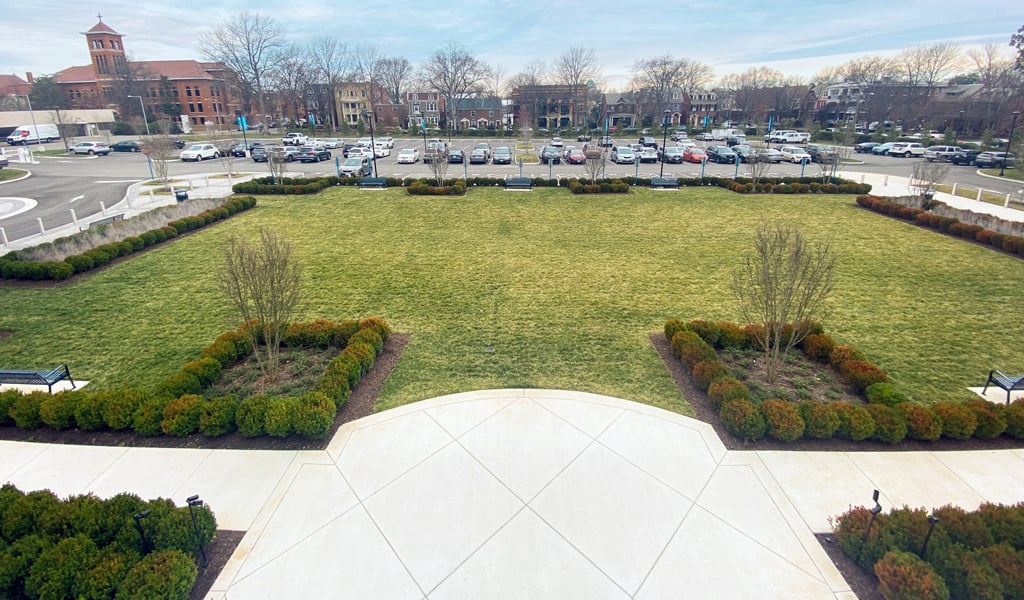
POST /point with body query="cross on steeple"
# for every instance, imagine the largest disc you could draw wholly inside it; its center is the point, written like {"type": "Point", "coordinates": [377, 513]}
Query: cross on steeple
{"type": "Point", "coordinates": [100, 17]}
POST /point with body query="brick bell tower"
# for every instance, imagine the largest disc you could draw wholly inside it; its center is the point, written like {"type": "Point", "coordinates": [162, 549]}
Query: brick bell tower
{"type": "Point", "coordinates": [106, 51]}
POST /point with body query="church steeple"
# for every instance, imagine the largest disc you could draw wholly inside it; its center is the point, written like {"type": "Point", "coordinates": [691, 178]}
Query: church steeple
{"type": "Point", "coordinates": [106, 50]}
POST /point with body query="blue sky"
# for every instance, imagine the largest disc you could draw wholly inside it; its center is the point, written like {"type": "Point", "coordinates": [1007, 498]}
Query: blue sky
{"type": "Point", "coordinates": [795, 37]}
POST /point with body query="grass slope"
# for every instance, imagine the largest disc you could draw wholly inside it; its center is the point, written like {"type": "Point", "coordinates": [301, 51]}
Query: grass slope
{"type": "Point", "coordinates": [565, 288]}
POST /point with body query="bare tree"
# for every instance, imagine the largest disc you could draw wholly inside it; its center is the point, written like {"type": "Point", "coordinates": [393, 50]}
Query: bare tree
{"type": "Point", "coordinates": [496, 80]}
{"type": "Point", "coordinates": [248, 44]}
{"type": "Point", "coordinates": [262, 282]}
{"type": "Point", "coordinates": [453, 72]}
{"type": "Point", "coordinates": [752, 91]}
{"type": "Point", "coordinates": [574, 68]}
{"type": "Point", "coordinates": [534, 72]}
{"type": "Point", "coordinates": [291, 78]}
{"type": "Point", "coordinates": [161, 150]}
{"type": "Point", "coordinates": [276, 162]}
{"type": "Point", "coordinates": [394, 73]}
{"type": "Point", "coordinates": [1017, 41]}
{"type": "Point", "coordinates": [926, 174]}
{"type": "Point", "coordinates": [438, 166]}
{"type": "Point", "coordinates": [655, 78]}
{"type": "Point", "coordinates": [593, 165]}
{"type": "Point", "coordinates": [329, 61]}
{"type": "Point", "coordinates": [783, 286]}
{"type": "Point", "coordinates": [757, 167]}
{"type": "Point", "coordinates": [227, 160]}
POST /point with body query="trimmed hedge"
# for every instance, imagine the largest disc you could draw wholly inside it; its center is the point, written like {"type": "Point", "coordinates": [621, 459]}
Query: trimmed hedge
{"type": "Point", "coordinates": [177, 407]}
{"type": "Point", "coordinates": [967, 556]}
{"type": "Point", "coordinates": [888, 416]}
{"type": "Point", "coordinates": [86, 547]}
{"type": "Point", "coordinates": [13, 266]}
{"type": "Point", "coordinates": [947, 225]}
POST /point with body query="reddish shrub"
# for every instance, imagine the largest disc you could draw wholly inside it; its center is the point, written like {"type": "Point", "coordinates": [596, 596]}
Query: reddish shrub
{"type": "Point", "coordinates": [707, 371]}
{"type": "Point", "coordinates": [818, 347]}
{"type": "Point", "coordinates": [965, 528]}
{"type": "Point", "coordinates": [691, 349]}
{"type": "Point", "coordinates": [855, 422]}
{"type": "Point", "coordinates": [904, 576]}
{"type": "Point", "coordinates": [732, 336]}
{"type": "Point", "coordinates": [726, 388]}
{"type": "Point", "coordinates": [861, 374]}
{"type": "Point", "coordinates": [889, 425]}
{"type": "Point", "coordinates": [782, 420]}
{"type": "Point", "coordinates": [1009, 566]}
{"type": "Point", "coordinates": [922, 424]}
{"type": "Point", "coordinates": [991, 419]}
{"type": "Point", "coordinates": [844, 353]}
{"type": "Point", "coordinates": [672, 327]}
{"type": "Point", "coordinates": [755, 334]}
{"type": "Point", "coordinates": [1014, 414]}
{"type": "Point", "coordinates": [958, 421]}
{"type": "Point", "coordinates": [742, 419]}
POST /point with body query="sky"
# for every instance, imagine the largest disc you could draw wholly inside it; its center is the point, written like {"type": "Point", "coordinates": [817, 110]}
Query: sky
{"type": "Point", "coordinates": [796, 37]}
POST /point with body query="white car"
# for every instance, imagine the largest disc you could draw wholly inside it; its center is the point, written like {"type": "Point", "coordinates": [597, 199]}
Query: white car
{"type": "Point", "coordinates": [557, 142]}
{"type": "Point", "coordinates": [408, 156]}
{"type": "Point", "coordinates": [357, 151]}
{"type": "Point", "coordinates": [623, 155]}
{"type": "Point", "coordinates": [794, 154]}
{"type": "Point", "coordinates": [364, 141]}
{"type": "Point", "coordinates": [388, 141]}
{"type": "Point", "coordinates": [380, 149]}
{"type": "Point", "coordinates": [332, 143]}
{"type": "Point", "coordinates": [906, 149]}
{"type": "Point", "coordinates": [199, 152]}
{"type": "Point", "coordinates": [99, 148]}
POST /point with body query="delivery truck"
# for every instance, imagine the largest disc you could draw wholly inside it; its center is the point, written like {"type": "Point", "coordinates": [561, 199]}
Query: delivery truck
{"type": "Point", "coordinates": [33, 134]}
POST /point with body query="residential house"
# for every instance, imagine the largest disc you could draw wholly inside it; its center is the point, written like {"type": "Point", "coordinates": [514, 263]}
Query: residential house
{"type": "Point", "coordinates": [429, 106]}
{"type": "Point", "coordinates": [545, 106]}
{"type": "Point", "coordinates": [619, 111]}
{"type": "Point", "coordinates": [703, 107]}
{"type": "Point", "coordinates": [354, 101]}
{"type": "Point", "coordinates": [481, 113]}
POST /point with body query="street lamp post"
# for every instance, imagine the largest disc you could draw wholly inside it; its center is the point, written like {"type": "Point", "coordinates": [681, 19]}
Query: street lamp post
{"type": "Point", "coordinates": [34, 126]}
{"type": "Point", "coordinates": [664, 141]}
{"type": "Point", "coordinates": [143, 105]}
{"type": "Point", "coordinates": [373, 144]}
{"type": "Point", "coordinates": [1009, 143]}
{"type": "Point", "coordinates": [194, 501]}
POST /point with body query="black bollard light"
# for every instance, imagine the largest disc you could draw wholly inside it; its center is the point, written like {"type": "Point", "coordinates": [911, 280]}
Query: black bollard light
{"type": "Point", "coordinates": [194, 501]}
{"type": "Point", "coordinates": [877, 508]}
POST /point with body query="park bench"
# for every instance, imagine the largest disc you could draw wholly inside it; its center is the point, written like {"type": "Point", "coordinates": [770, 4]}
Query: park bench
{"type": "Point", "coordinates": [519, 183]}
{"type": "Point", "coordinates": [664, 183]}
{"type": "Point", "coordinates": [1009, 383]}
{"type": "Point", "coordinates": [47, 378]}
{"type": "Point", "coordinates": [106, 220]}
{"type": "Point", "coordinates": [373, 183]}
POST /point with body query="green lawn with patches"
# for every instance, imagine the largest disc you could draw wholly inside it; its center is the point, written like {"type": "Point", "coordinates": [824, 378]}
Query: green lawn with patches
{"type": "Point", "coordinates": [565, 288]}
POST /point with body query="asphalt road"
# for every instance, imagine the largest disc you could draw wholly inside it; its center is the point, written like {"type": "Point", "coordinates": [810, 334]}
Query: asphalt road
{"type": "Point", "coordinates": [59, 185]}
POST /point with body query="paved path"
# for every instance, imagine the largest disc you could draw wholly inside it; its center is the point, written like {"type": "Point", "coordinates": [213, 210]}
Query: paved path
{"type": "Point", "coordinates": [525, 494]}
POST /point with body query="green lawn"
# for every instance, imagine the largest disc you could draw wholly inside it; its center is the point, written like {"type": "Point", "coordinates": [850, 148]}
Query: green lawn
{"type": "Point", "coordinates": [8, 174]}
{"type": "Point", "coordinates": [566, 289]}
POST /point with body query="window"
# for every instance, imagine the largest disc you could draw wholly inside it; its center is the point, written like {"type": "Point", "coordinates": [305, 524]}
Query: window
{"type": "Point", "coordinates": [107, 91]}
{"type": "Point", "coordinates": [472, 113]}
{"type": "Point", "coordinates": [432, 106]}
{"type": "Point", "coordinates": [490, 113]}
{"type": "Point", "coordinates": [115, 44]}
{"type": "Point", "coordinates": [188, 91]}
{"type": "Point", "coordinates": [200, 107]}
{"type": "Point", "coordinates": [191, 107]}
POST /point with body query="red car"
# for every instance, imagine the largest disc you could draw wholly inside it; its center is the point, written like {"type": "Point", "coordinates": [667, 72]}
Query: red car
{"type": "Point", "coordinates": [694, 154]}
{"type": "Point", "coordinates": [575, 157]}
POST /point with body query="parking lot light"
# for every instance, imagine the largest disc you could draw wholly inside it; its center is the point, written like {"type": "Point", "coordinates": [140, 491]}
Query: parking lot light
{"type": "Point", "coordinates": [373, 144]}
{"type": "Point", "coordinates": [1009, 143]}
{"type": "Point", "coordinates": [664, 140]}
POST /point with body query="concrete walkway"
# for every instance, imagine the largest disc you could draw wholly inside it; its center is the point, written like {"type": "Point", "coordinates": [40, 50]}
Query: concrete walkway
{"type": "Point", "coordinates": [891, 185]}
{"type": "Point", "coordinates": [525, 494]}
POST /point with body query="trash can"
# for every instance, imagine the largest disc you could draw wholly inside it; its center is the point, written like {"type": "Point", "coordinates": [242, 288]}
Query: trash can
{"type": "Point", "coordinates": [181, 195]}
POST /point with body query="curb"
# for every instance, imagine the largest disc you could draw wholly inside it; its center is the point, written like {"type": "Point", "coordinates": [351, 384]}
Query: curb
{"type": "Point", "coordinates": [25, 176]}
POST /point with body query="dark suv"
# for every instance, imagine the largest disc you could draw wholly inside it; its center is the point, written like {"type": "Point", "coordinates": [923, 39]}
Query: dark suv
{"type": "Point", "coordinates": [649, 142]}
{"type": "Point", "coordinates": [964, 156]}
{"type": "Point", "coordinates": [550, 155]}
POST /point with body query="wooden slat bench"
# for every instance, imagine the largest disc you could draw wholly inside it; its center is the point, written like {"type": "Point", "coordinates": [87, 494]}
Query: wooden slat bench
{"type": "Point", "coordinates": [519, 183]}
{"type": "Point", "coordinates": [373, 183]}
{"type": "Point", "coordinates": [664, 183]}
{"type": "Point", "coordinates": [1010, 383]}
{"type": "Point", "coordinates": [106, 220]}
{"type": "Point", "coordinates": [47, 378]}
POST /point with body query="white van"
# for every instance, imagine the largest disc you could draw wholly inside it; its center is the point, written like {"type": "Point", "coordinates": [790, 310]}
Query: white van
{"type": "Point", "coordinates": [26, 134]}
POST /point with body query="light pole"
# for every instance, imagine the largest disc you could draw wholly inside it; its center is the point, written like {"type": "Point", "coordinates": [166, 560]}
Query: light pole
{"type": "Point", "coordinates": [664, 141]}
{"type": "Point", "coordinates": [34, 126]}
{"type": "Point", "coordinates": [194, 501]}
{"type": "Point", "coordinates": [138, 517]}
{"type": "Point", "coordinates": [1009, 143]}
{"type": "Point", "coordinates": [373, 144]}
{"type": "Point", "coordinates": [144, 119]}
{"type": "Point", "coordinates": [770, 115]}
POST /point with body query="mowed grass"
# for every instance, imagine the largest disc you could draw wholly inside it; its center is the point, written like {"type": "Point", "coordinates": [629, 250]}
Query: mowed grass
{"type": "Point", "coordinates": [565, 288]}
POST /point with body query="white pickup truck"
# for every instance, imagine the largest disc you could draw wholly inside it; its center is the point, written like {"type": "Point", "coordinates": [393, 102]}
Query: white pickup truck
{"type": "Point", "coordinates": [294, 139]}
{"type": "Point", "coordinates": [789, 137]}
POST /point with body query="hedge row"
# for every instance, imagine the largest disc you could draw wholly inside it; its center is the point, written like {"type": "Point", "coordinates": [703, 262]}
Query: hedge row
{"type": "Point", "coordinates": [969, 555]}
{"type": "Point", "coordinates": [13, 266]}
{"type": "Point", "coordinates": [613, 187]}
{"type": "Point", "coordinates": [950, 225]}
{"type": "Point", "coordinates": [457, 187]}
{"type": "Point", "coordinates": [887, 417]}
{"type": "Point", "coordinates": [177, 407]}
{"type": "Point", "coordinates": [85, 547]}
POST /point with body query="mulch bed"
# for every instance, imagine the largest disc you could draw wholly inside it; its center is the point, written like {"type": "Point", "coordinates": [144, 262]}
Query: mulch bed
{"type": "Point", "coordinates": [218, 553]}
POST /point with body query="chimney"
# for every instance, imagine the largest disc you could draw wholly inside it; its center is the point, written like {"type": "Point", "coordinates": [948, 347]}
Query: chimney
{"type": "Point", "coordinates": [28, 77]}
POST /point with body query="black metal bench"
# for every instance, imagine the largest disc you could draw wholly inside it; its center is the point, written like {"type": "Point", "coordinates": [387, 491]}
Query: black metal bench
{"type": "Point", "coordinates": [664, 183]}
{"type": "Point", "coordinates": [518, 183]}
{"type": "Point", "coordinates": [47, 378]}
{"type": "Point", "coordinates": [106, 220]}
{"type": "Point", "coordinates": [373, 183]}
{"type": "Point", "coordinates": [1009, 383]}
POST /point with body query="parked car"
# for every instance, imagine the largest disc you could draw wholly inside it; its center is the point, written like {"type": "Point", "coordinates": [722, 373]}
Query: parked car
{"type": "Point", "coordinates": [356, 166]}
{"type": "Point", "coordinates": [387, 141]}
{"type": "Point", "coordinates": [381, 149]}
{"type": "Point", "coordinates": [478, 157]}
{"type": "Point", "coordinates": [649, 142]}
{"type": "Point", "coordinates": [672, 154]}
{"type": "Point", "coordinates": [408, 156]}
{"type": "Point", "coordinates": [456, 157]}
{"type": "Point", "coordinates": [179, 143]}
{"type": "Point", "coordinates": [694, 154]}
{"type": "Point", "coordinates": [360, 151]}
{"type": "Point", "coordinates": [794, 154]}
{"type": "Point", "coordinates": [965, 156]}
{"type": "Point", "coordinates": [705, 137]}
{"type": "Point", "coordinates": [623, 155]}
{"type": "Point", "coordinates": [649, 155]}
{"type": "Point", "coordinates": [821, 153]}
{"type": "Point", "coordinates": [770, 155]}
{"type": "Point", "coordinates": [260, 154]}
{"type": "Point", "coordinates": [243, 149]}
{"type": "Point", "coordinates": [550, 155]}
{"type": "Point", "coordinates": [721, 154]}
{"type": "Point", "coordinates": [906, 149]}
{"type": "Point", "coordinates": [744, 152]}
{"type": "Point", "coordinates": [989, 160]}
{"type": "Point", "coordinates": [736, 140]}
{"type": "Point", "coordinates": [864, 147]}
{"type": "Point", "coordinates": [940, 153]}
{"type": "Point", "coordinates": [606, 141]}
{"type": "Point", "coordinates": [99, 148]}
{"type": "Point", "coordinates": [557, 142]}
{"type": "Point", "coordinates": [332, 143]}
{"type": "Point", "coordinates": [574, 156]}
{"type": "Point", "coordinates": [200, 152]}
{"type": "Point", "coordinates": [313, 154]}
{"type": "Point", "coordinates": [126, 146]}
{"type": "Point", "coordinates": [882, 149]}
{"type": "Point", "coordinates": [293, 139]}
{"type": "Point", "coordinates": [502, 155]}
{"type": "Point", "coordinates": [583, 137]}
{"type": "Point", "coordinates": [346, 149]}
{"type": "Point", "coordinates": [678, 135]}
